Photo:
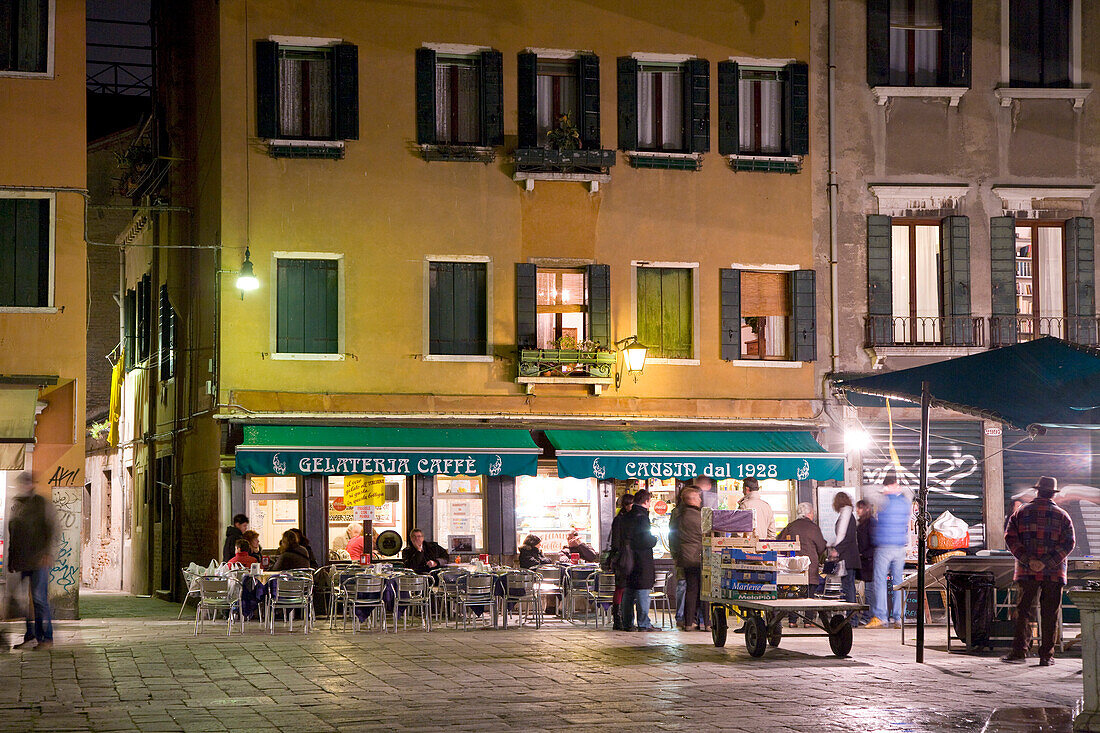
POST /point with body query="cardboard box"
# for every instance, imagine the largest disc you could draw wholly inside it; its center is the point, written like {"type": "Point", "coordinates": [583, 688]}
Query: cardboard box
{"type": "Point", "coordinates": [750, 587]}
{"type": "Point", "coordinates": [749, 576]}
{"type": "Point", "coordinates": [732, 554]}
{"type": "Point", "coordinates": [802, 578]}
{"type": "Point", "coordinates": [793, 591]}
{"type": "Point", "coordinates": [733, 595]}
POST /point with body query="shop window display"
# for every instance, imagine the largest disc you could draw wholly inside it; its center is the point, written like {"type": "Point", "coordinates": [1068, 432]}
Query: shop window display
{"type": "Point", "coordinates": [551, 507]}
{"type": "Point", "coordinates": [459, 513]}
{"type": "Point", "coordinates": [391, 515]}
{"type": "Point", "coordinates": [273, 507]}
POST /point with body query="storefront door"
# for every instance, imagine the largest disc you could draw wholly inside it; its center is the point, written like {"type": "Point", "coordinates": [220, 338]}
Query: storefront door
{"type": "Point", "coordinates": [551, 507]}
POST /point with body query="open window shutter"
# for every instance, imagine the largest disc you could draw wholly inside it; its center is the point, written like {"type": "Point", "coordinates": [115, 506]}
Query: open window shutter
{"type": "Point", "coordinates": [802, 325]}
{"type": "Point", "coordinates": [697, 105]}
{"type": "Point", "coordinates": [129, 328]}
{"type": "Point", "coordinates": [955, 279]}
{"type": "Point", "coordinates": [955, 16]}
{"type": "Point", "coordinates": [1025, 44]}
{"type": "Point", "coordinates": [345, 59]}
{"type": "Point", "coordinates": [492, 98]}
{"type": "Point", "coordinates": [425, 96]}
{"type": "Point", "coordinates": [588, 67]}
{"type": "Point", "coordinates": [878, 43]}
{"type": "Point", "coordinates": [730, 312]}
{"type": "Point", "coordinates": [879, 278]}
{"type": "Point", "coordinates": [1080, 281]}
{"type": "Point", "coordinates": [267, 89]}
{"type": "Point", "coordinates": [797, 117]}
{"type": "Point", "coordinates": [1002, 266]}
{"type": "Point", "coordinates": [164, 313]}
{"type": "Point", "coordinates": [1054, 43]}
{"type": "Point", "coordinates": [527, 75]}
{"type": "Point", "coordinates": [526, 306]}
{"type": "Point", "coordinates": [729, 119]}
{"type": "Point", "coordinates": [290, 293]}
{"type": "Point", "coordinates": [599, 304]}
{"type": "Point", "coordinates": [628, 103]}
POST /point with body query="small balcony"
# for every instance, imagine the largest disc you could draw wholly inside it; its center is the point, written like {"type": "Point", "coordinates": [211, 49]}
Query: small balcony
{"type": "Point", "coordinates": [924, 331]}
{"type": "Point", "coordinates": [566, 366]}
{"type": "Point", "coordinates": [544, 164]}
{"type": "Point", "coordinates": [1008, 330]}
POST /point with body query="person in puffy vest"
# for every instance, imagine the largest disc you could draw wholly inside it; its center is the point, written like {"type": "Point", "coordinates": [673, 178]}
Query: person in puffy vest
{"type": "Point", "coordinates": [890, 534]}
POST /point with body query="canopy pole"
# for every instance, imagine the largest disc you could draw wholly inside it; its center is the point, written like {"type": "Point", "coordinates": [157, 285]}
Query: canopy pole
{"type": "Point", "coordinates": [922, 517]}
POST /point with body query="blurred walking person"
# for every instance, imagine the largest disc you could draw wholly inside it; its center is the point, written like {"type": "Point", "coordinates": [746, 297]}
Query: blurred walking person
{"type": "Point", "coordinates": [685, 532]}
{"type": "Point", "coordinates": [32, 535]}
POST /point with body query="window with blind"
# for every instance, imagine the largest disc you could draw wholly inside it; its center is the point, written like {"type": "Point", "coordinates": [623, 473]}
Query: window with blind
{"type": "Point", "coordinates": [765, 308]}
{"type": "Point", "coordinates": [916, 266]}
{"type": "Point", "coordinates": [305, 93]}
{"type": "Point", "coordinates": [661, 107]}
{"type": "Point", "coordinates": [457, 308]}
{"type": "Point", "coordinates": [24, 36]}
{"type": "Point", "coordinates": [915, 42]}
{"type": "Point", "coordinates": [562, 306]}
{"type": "Point", "coordinates": [1039, 34]}
{"type": "Point", "coordinates": [666, 310]}
{"type": "Point", "coordinates": [457, 100]}
{"type": "Point", "coordinates": [25, 252]}
{"type": "Point", "coordinates": [760, 92]}
{"type": "Point", "coordinates": [307, 306]}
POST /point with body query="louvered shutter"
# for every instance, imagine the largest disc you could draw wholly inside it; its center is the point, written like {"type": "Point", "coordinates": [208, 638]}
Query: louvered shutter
{"type": "Point", "coordinates": [588, 66]}
{"type": "Point", "coordinates": [527, 100]}
{"type": "Point", "coordinates": [802, 325]}
{"type": "Point", "coordinates": [878, 43]}
{"type": "Point", "coordinates": [955, 280]}
{"type": "Point", "coordinates": [729, 284]}
{"type": "Point", "coordinates": [956, 18]}
{"type": "Point", "coordinates": [879, 279]}
{"type": "Point", "coordinates": [628, 103]}
{"type": "Point", "coordinates": [1080, 281]}
{"type": "Point", "coordinates": [599, 304]}
{"type": "Point", "coordinates": [267, 89]}
{"type": "Point", "coordinates": [729, 120]}
{"type": "Point", "coordinates": [797, 118]}
{"type": "Point", "coordinates": [526, 306]}
{"type": "Point", "coordinates": [697, 105]}
{"type": "Point", "coordinates": [1002, 270]}
{"type": "Point", "coordinates": [345, 62]}
{"type": "Point", "coordinates": [425, 96]}
{"type": "Point", "coordinates": [492, 98]}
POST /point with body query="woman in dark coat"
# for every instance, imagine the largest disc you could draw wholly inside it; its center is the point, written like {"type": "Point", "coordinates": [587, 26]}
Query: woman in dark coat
{"type": "Point", "coordinates": [614, 547]}
{"type": "Point", "coordinates": [530, 556]}
{"type": "Point", "coordinates": [639, 582]}
{"type": "Point", "coordinates": [292, 556]}
{"type": "Point", "coordinates": [846, 545]}
{"type": "Point", "coordinates": [304, 542]}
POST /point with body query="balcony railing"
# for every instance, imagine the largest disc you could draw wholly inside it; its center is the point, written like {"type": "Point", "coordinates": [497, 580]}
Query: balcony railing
{"type": "Point", "coordinates": [545, 160]}
{"type": "Point", "coordinates": [1008, 330]}
{"type": "Point", "coordinates": [925, 331]}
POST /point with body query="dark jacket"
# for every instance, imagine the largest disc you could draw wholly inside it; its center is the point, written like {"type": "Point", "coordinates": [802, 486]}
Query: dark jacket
{"type": "Point", "coordinates": [530, 557]}
{"type": "Point", "coordinates": [585, 551]}
{"type": "Point", "coordinates": [417, 560]}
{"type": "Point", "coordinates": [637, 531]}
{"type": "Point", "coordinates": [865, 529]}
{"type": "Point", "coordinates": [848, 549]}
{"type": "Point", "coordinates": [229, 548]}
{"type": "Point", "coordinates": [808, 535]}
{"type": "Point", "coordinates": [293, 559]}
{"type": "Point", "coordinates": [32, 532]}
{"type": "Point", "coordinates": [685, 536]}
{"type": "Point", "coordinates": [312, 558]}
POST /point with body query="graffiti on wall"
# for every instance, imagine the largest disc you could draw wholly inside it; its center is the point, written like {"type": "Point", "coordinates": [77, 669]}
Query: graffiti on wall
{"type": "Point", "coordinates": [943, 473]}
{"type": "Point", "coordinates": [65, 574]}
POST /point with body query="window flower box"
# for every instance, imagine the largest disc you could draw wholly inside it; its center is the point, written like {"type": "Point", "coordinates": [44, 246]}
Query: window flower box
{"type": "Point", "coordinates": [566, 363]}
{"type": "Point", "coordinates": [546, 160]}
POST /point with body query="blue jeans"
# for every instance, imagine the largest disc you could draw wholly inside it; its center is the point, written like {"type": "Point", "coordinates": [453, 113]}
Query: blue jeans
{"type": "Point", "coordinates": [635, 599]}
{"type": "Point", "coordinates": [889, 560]}
{"type": "Point", "coordinates": [869, 596]}
{"type": "Point", "coordinates": [42, 627]}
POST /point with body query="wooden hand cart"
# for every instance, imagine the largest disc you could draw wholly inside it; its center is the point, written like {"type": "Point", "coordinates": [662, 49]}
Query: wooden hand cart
{"type": "Point", "coordinates": [764, 618]}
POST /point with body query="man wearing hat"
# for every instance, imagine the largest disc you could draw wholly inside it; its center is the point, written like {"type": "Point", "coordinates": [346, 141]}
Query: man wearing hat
{"type": "Point", "coordinates": [763, 522]}
{"type": "Point", "coordinates": [1040, 536]}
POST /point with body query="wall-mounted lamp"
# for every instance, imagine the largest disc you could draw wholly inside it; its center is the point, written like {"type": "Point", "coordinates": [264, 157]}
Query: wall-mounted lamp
{"type": "Point", "coordinates": [246, 278]}
{"type": "Point", "coordinates": [633, 358]}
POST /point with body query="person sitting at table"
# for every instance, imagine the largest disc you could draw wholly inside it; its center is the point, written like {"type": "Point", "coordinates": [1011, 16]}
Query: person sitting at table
{"type": "Point", "coordinates": [422, 557]}
{"type": "Point", "coordinates": [244, 554]}
{"type": "Point", "coordinates": [253, 538]}
{"type": "Point", "coordinates": [339, 550]}
{"type": "Point", "coordinates": [530, 555]}
{"type": "Point", "coordinates": [292, 555]}
{"type": "Point", "coordinates": [303, 541]}
{"type": "Point", "coordinates": [573, 545]}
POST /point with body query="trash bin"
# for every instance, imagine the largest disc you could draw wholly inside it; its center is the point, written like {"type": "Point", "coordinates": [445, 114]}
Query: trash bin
{"type": "Point", "coordinates": [970, 599]}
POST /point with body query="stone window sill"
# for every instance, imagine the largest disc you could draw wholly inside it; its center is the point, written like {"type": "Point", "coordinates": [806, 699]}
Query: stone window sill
{"type": "Point", "coordinates": [766, 163]}
{"type": "Point", "coordinates": [666, 161]}
{"type": "Point", "coordinates": [1008, 95]}
{"type": "Point", "coordinates": [332, 149]}
{"type": "Point", "coordinates": [951, 94]}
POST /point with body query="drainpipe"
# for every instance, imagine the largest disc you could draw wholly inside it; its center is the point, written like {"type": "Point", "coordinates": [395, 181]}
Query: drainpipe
{"type": "Point", "coordinates": [834, 245]}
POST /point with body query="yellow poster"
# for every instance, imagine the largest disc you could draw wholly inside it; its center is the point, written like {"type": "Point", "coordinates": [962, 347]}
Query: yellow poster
{"type": "Point", "coordinates": [365, 490]}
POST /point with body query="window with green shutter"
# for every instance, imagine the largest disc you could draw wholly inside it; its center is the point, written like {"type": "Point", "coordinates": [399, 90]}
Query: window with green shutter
{"type": "Point", "coordinates": [308, 306]}
{"type": "Point", "coordinates": [457, 308]}
{"type": "Point", "coordinates": [25, 36]}
{"type": "Point", "coordinates": [25, 252]}
{"type": "Point", "coordinates": [666, 308]}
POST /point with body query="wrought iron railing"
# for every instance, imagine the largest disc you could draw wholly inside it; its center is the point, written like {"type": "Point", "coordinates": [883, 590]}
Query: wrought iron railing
{"type": "Point", "coordinates": [1008, 330]}
{"type": "Point", "coordinates": [925, 331]}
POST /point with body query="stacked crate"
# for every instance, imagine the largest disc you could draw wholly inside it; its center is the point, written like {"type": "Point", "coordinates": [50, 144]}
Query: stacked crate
{"type": "Point", "coordinates": [749, 575]}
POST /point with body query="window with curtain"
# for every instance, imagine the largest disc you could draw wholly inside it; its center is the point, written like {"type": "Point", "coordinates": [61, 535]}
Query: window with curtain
{"type": "Point", "coordinates": [307, 306]}
{"type": "Point", "coordinates": [557, 94]}
{"type": "Point", "coordinates": [305, 93]}
{"type": "Point", "coordinates": [24, 35]}
{"type": "Point", "coordinates": [457, 312]}
{"type": "Point", "coordinates": [1040, 285]}
{"type": "Point", "coordinates": [458, 100]}
{"type": "Point", "coordinates": [916, 34]}
{"type": "Point", "coordinates": [915, 254]}
{"type": "Point", "coordinates": [765, 308]}
{"type": "Point", "coordinates": [661, 107]}
{"type": "Point", "coordinates": [760, 106]}
{"type": "Point", "coordinates": [561, 306]}
{"type": "Point", "coordinates": [666, 310]}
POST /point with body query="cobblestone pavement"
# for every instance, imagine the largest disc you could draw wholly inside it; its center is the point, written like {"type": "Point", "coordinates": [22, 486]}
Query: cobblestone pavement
{"type": "Point", "coordinates": [129, 665]}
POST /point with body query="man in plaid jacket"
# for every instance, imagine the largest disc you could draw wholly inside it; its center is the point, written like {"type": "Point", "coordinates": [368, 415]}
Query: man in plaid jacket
{"type": "Point", "coordinates": [1040, 536]}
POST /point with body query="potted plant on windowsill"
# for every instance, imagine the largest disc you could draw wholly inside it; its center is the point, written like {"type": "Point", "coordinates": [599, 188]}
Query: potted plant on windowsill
{"type": "Point", "coordinates": [564, 152]}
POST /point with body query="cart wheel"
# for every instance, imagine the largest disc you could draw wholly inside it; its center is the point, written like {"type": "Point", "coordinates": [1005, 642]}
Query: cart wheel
{"type": "Point", "coordinates": [775, 634]}
{"type": "Point", "coordinates": [756, 636]}
{"type": "Point", "coordinates": [840, 636]}
{"type": "Point", "coordinates": [718, 624]}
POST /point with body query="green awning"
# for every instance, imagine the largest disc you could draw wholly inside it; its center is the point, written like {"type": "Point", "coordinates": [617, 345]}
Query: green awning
{"type": "Point", "coordinates": [606, 454]}
{"type": "Point", "coordinates": [282, 450]}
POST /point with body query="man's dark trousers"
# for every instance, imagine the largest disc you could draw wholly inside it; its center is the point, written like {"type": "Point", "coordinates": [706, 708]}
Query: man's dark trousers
{"type": "Point", "coordinates": [1050, 601]}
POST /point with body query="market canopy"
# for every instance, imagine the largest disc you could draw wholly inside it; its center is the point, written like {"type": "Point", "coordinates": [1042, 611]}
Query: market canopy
{"type": "Point", "coordinates": [284, 450]}
{"type": "Point", "coordinates": [1039, 384]}
{"type": "Point", "coordinates": [607, 454]}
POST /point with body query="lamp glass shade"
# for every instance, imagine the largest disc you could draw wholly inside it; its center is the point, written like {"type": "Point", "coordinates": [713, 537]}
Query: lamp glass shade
{"type": "Point", "coordinates": [635, 357]}
{"type": "Point", "coordinates": [246, 279]}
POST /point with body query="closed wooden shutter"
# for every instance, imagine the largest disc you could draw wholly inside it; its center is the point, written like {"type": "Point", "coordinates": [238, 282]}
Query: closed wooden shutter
{"type": "Point", "coordinates": [526, 305]}
{"type": "Point", "coordinates": [143, 317]}
{"type": "Point", "coordinates": [457, 308]}
{"type": "Point", "coordinates": [129, 328]}
{"type": "Point", "coordinates": [345, 60]}
{"type": "Point", "coordinates": [267, 89]}
{"type": "Point", "coordinates": [425, 96]}
{"type": "Point", "coordinates": [307, 306]}
{"type": "Point", "coordinates": [697, 105]}
{"type": "Point", "coordinates": [527, 100]}
{"type": "Point", "coordinates": [665, 311]}
{"type": "Point", "coordinates": [599, 304]}
{"type": "Point", "coordinates": [802, 324]}
{"type": "Point", "coordinates": [164, 315]}
{"type": "Point", "coordinates": [797, 117]}
{"type": "Point", "coordinates": [628, 103]}
{"type": "Point", "coordinates": [729, 119]}
{"type": "Point", "coordinates": [1080, 281]}
{"type": "Point", "coordinates": [956, 18]}
{"type": "Point", "coordinates": [880, 278]}
{"type": "Point", "coordinates": [24, 252]}
{"type": "Point", "coordinates": [878, 43]}
{"type": "Point", "coordinates": [955, 280]}
{"type": "Point", "coordinates": [588, 67]}
{"type": "Point", "coordinates": [729, 291]}
{"type": "Point", "coordinates": [1002, 270]}
{"type": "Point", "coordinates": [492, 98]}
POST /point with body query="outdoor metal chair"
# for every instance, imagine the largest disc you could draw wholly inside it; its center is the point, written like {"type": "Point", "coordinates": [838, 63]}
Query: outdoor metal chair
{"type": "Point", "coordinates": [338, 591]}
{"type": "Point", "coordinates": [601, 591]}
{"type": "Point", "coordinates": [659, 600]}
{"type": "Point", "coordinates": [291, 594]}
{"type": "Point", "coordinates": [576, 589]}
{"type": "Point", "coordinates": [217, 593]}
{"type": "Point", "coordinates": [551, 585]}
{"type": "Point", "coordinates": [522, 589]}
{"type": "Point", "coordinates": [190, 581]}
{"type": "Point", "coordinates": [364, 591]}
{"type": "Point", "coordinates": [475, 589]}
{"type": "Point", "coordinates": [445, 590]}
{"type": "Point", "coordinates": [412, 593]}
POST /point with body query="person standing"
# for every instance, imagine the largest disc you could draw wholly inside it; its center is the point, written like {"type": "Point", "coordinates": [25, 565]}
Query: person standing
{"type": "Point", "coordinates": [32, 537]}
{"type": "Point", "coordinates": [1040, 536]}
{"type": "Point", "coordinates": [638, 534]}
{"type": "Point", "coordinates": [763, 521]}
{"type": "Point", "coordinates": [685, 534]}
{"type": "Point", "coordinates": [846, 546]}
{"type": "Point", "coordinates": [615, 543]}
{"type": "Point", "coordinates": [807, 534]}
{"type": "Point", "coordinates": [865, 522]}
{"type": "Point", "coordinates": [890, 536]}
{"type": "Point", "coordinates": [233, 533]}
